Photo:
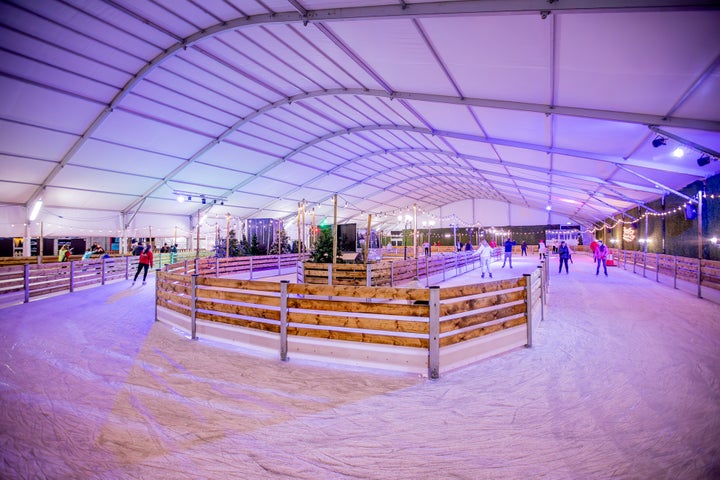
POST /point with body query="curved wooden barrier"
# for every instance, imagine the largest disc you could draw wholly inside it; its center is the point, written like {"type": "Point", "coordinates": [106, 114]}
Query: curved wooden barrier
{"type": "Point", "coordinates": [405, 329]}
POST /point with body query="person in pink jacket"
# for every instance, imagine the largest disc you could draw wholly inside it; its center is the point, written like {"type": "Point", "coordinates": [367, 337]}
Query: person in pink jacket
{"type": "Point", "coordinates": [600, 256]}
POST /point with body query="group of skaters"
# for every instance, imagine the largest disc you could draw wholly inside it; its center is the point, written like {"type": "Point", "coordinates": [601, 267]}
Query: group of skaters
{"type": "Point", "coordinates": [599, 250]}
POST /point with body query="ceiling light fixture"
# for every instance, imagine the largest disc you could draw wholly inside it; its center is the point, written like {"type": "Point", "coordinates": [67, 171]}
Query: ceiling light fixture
{"type": "Point", "coordinates": [703, 160]}
{"type": "Point", "coordinates": [35, 210]}
{"type": "Point", "coordinates": [180, 198]}
{"type": "Point", "coordinates": [659, 141]}
{"type": "Point", "coordinates": [678, 152]}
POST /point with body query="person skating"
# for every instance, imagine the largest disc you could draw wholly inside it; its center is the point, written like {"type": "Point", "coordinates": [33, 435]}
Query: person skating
{"type": "Point", "coordinates": [485, 251]}
{"type": "Point", "coordinates": [509, 243]}
{"type": "Point", "coordinates": [601, 257]}
{"type": "Point", "coordinates": [564, 254]}
{"type": "Point", "coordinates": [144, 262]}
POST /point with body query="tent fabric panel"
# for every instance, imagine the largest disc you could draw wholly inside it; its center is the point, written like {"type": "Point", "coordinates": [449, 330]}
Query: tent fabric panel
{"type": "Point", "coordinates": [496, 57]}
{"type": "Point", "coordinates": [646, 55]}
{"type": "Point", "coordinates": [516, 125]}
{"type": "Point", "coordinates": [22, 140]}
{"type": "Point", "coordinates": [605, 137]}
{"type": "Point", "coordinates": [124, 158]}
{"type": "Point", "coordinates": [127, 128]}
{"type": "Point", "coordinates": [35, 105]}
{"type": "Point", "coordinates": [394, 53]}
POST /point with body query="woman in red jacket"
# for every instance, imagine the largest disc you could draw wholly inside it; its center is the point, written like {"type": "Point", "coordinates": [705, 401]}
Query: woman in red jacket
{"type": "Point", "coordinates": [144, 262]}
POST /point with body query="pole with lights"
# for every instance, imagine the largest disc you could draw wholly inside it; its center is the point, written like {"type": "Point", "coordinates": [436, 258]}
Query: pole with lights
{"type": "Point", "coordinates": [407, 219]}
{"type": "Point", "coordinates": [429, 225]}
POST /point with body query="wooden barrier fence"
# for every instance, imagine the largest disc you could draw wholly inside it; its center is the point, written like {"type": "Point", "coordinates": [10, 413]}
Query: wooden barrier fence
{"type": "Point", "coordinates": [221, 266]}
{"type": "Point", "coordinates": [26, 280]}
{"type": "Point", "coordinates": [408, 329]}
{"type": "Point", "coordinates": [388, 272]}
{"type": "Point", "coordinates": [702, 273]}
{"type": "Point", "coordinates": [20, 283]}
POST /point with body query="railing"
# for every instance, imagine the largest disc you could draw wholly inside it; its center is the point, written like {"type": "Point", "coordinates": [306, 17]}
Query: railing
{"type": "Point", "coordinates": [390, 272]}
{"type": "Point", "coordinates": [29, 280]}
{"type": "Point", "coordinates": [20, 283]}
{"type": "Point", "coordinates": [408, 329]}
{"type": "Point", "coordinates": [252, 266]}
{"type": "Point", "coordinates": [663, 268]}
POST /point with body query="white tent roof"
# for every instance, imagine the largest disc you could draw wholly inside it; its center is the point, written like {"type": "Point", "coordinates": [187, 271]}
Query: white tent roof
{"type": "Point", "coordinates": [113, 108]}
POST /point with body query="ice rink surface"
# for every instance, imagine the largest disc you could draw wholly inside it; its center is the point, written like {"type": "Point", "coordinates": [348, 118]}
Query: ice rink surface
{"type": "Point", "coordinates": [623, 381]}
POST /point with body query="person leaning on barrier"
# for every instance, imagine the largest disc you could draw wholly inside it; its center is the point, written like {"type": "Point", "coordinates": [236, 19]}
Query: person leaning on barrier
{"type": "Point", "coordinates": [600, 257]}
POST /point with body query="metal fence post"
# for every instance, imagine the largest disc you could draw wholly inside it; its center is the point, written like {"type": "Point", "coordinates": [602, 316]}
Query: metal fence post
{"type": "Point", "coordinates": [217, 266]}
{"type": "Point", "coordinates": [392, 274]}
{"type": "Point", "coordinates": [434, 334]}
{"type": "Point", "coordinates": [127, 268]}
{"type": "Point", "coordinates": [427, 271]}
{"type": "Point", "coordinates": [72, 276]}
{"type": "Point", "coordinates": [157, 290]}
{"type": "Point", "coordinates": [102, 274]}
{"type": "Point", "coordinates": [251, 268]}
{"type": "Point", "coordinates": [193, 306]}
{"type": "Point", "coordinates": [197, 266]}
{"type": "Point", "coordinates": [644, 263]}
{"type": "Point", "coordinates": [368, 275]}
{"type": "Point", "coordinates": [26, 282]}
{"type": "Point", "coordinates": [283, 320]}
{"type": "Point", "coordinates": [699, 277]}
{"type": "Point", "coordinates": [657, 267]}
{"type": "Point", "coordinates": [186, 267]}
{"type": "Point", "coordinates": [528, 308]}
{"type": "Point", "coordinates": [675, 271]}
{"type": "Point", "coordinates": [330, 274]}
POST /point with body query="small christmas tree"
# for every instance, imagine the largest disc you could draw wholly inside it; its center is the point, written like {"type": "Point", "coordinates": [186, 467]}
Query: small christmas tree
{"type": "Point", "coordinates": [322, 250]}
{"type": "Point", "coordinates": [254, 246]}
{"type": "Point", "coordinates": [284, 244]}
{"type": "Point", "coordinates": [234, 247]}
{"type": "Point", "coordinates": [244, 248]}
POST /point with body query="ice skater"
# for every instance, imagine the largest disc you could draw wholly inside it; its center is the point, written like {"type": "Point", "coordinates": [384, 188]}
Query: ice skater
{"type": "Point", "coordinates": [600, 257]}
{"type": "Point", "coordinates": [564, 254]}
{"type": "Point", "coordinates": [485, 252]}
{"type": "Point", "coordinates": [144, 262]}
{"type": "Point", "coordinates": [509, 243]}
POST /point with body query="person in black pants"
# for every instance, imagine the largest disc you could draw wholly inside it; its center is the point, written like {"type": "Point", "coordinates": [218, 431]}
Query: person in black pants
{"type": "Point", "coordinates": [564, 254]}
{"type": "Point", "coordinates": [144, 262]}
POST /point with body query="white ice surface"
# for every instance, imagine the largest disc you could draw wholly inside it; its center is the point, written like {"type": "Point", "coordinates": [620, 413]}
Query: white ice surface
{"type": "Point", "coordinates": [623, 381]}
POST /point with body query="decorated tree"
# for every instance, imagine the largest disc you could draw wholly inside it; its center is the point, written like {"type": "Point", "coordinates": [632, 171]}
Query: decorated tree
{"type": "Point", "coordinates": [244, 247]}
{"type": "Point", "coordinates": [323, 247]}
{"type": "Point", "coordinates": [255, 247]}
{"type": "Point", "coordinates": [234, 247]}
{"type": "Point", "coordinates": [284, 244]}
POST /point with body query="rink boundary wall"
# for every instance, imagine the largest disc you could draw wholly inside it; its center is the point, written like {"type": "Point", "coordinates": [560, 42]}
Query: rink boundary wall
{"type": "Point", "coordinates": [415, 330]}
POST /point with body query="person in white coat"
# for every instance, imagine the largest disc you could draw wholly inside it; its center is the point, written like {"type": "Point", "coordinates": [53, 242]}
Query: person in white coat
{"type": "Point", "coordinates": [485, 252]}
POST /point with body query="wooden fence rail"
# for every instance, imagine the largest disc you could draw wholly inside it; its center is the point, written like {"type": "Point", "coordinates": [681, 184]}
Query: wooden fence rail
{"type": "Point", "coordinates": [20, 283]}
{"type": "Point", "coordinates": [390, 272]}
{"type": "Point", "coordinates": [701, 273]}
{"type": "Point", "coordinates": [409, 329]}
{"type": "Point", "coordinates": [23, 282]}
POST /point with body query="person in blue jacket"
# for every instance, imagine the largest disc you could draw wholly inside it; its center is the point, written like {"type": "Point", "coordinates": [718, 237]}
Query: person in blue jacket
{"type": "Point", "coordinates": [509, 244]}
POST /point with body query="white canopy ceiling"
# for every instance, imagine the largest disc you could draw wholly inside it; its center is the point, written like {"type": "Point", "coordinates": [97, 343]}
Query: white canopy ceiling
{"type": "Point", "coordinates": [113, 108]}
